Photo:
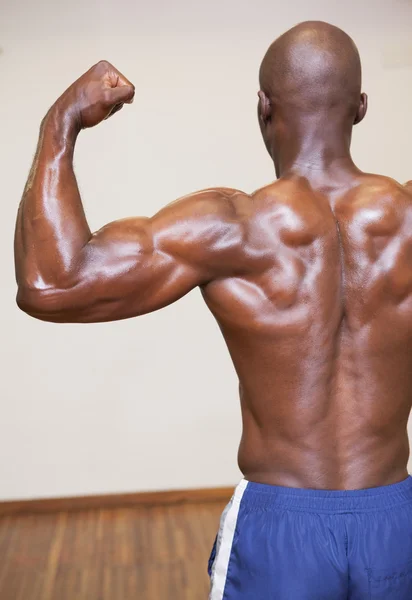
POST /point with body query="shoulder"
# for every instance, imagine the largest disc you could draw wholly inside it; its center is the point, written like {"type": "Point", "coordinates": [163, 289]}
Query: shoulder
{"type": "Point", "coordinates": [220, 198]}
{"type": "Point", "coordinates": [212, 204]}
{"type": "Point", "coordinates": [379, 205]}
{"type": "Point", "coordinates": [408, 188]}
{"type": "Point", "coordinates": [208, 219]}
{"type": "Point", "coordinates": [380, 192]}
{"type": "Point", "coordinates": [207, 229]}
{"type": "Point", "coordinates": [380, 186]}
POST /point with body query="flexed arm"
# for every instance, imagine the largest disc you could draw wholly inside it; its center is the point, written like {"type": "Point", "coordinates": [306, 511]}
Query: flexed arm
{"type": "Point", "coordinates": [67, 274]}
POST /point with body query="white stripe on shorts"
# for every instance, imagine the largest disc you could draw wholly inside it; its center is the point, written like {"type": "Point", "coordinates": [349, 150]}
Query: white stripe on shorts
{"type": "Point", "coordinates": [224, 543]}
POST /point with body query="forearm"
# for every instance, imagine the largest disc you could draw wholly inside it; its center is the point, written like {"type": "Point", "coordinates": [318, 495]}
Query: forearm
{"type": "Point", "coordinates": [51, 226]}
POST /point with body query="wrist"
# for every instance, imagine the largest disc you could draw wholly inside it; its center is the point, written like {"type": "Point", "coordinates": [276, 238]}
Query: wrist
{"type": "Point", "coordinates": [63, 118]}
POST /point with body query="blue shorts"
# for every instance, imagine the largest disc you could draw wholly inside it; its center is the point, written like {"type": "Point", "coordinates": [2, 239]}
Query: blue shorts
{"type": "Point", "coordinates": [278, 543]}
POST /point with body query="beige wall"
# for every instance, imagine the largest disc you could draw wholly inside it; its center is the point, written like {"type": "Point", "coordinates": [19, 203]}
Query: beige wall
{"type": "Point", "coordinates": [151, 403]}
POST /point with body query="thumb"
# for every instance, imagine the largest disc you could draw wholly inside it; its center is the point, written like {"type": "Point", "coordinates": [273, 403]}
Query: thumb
{"type": "Point", "coordinates": [121, 93]}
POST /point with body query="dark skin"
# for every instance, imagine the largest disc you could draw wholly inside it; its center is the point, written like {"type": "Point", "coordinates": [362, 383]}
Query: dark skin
{"type": "Point", "coordinates": [309, 278]}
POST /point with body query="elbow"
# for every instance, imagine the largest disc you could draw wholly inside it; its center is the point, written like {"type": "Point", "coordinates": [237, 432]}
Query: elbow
{"type": "Point", "coordinates": [46, 305]}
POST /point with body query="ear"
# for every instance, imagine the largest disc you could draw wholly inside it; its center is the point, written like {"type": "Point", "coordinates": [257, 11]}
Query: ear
{"type": "Point", "coordinates": [264, 107]}
{"type": "Point", "coordinates": [362, 109]}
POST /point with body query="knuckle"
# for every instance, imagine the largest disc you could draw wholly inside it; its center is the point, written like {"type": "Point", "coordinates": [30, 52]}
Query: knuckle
{"type": "Point", "coordinates": [103, 65]}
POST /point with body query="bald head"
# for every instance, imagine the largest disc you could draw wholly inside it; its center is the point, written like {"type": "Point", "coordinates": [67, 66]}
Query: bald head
{"type": "Point", "coordinates": [312, 67]}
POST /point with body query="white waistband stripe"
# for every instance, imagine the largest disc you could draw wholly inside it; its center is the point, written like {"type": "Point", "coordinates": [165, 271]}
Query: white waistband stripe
{"type": "Point", "coordinates": [224, 543]}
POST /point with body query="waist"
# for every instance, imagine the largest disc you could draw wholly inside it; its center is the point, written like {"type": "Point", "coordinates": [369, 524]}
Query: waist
{"type": "Point", "coordinates": [260, 496]}
{"type": "Point", "coordinates": [316, 462]}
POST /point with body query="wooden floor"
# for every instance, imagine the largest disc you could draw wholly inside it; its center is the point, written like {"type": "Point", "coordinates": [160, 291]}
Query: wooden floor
{"type": "Point", "coordinates": [120, 554]}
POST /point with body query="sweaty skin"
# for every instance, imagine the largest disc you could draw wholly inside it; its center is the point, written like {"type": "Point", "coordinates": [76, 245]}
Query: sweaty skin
{"type": "Point", "coordinates": [309, 278]}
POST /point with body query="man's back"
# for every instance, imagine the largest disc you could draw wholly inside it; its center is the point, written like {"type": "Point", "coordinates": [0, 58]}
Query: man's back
{"type": "Point", "coordinates": [321, 334]}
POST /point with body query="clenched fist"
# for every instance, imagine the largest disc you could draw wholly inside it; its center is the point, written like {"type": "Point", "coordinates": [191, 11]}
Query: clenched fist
{"type": "Point", "coordinates": [97, 95]}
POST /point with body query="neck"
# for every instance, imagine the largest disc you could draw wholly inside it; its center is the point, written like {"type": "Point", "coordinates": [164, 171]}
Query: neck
{"type": "Point", "coordinates": [317, 148]}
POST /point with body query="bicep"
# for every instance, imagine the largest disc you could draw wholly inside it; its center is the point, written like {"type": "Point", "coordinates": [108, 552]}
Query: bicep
{"type": "Point", "coordinates": [120, 274]}
{"type": "Point", "coordinates": [139, 265]}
